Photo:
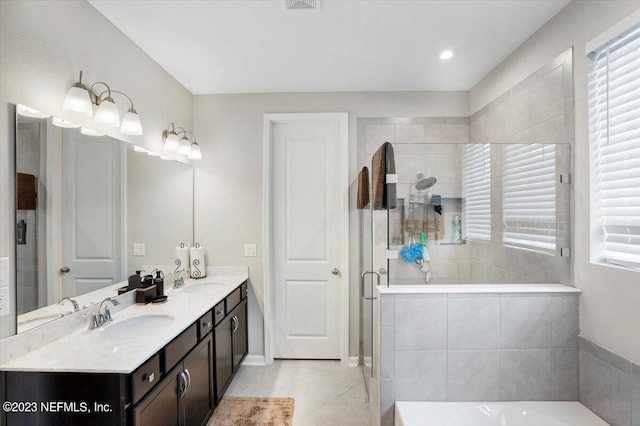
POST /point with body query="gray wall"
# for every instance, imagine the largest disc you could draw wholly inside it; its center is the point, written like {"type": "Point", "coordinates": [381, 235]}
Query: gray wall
{"type": "Point", "coordinates": [478, 347]}
{"type": "Point", "coordinates": [609, 384]}
{"type": "Point", "coordinates": [228, 181]}
{"type": "Point", "coordinates": [609, 314]}
{"type": "Point", "coordinates": [538, 109]}
{"type": "Point", "coordinates": [44, 44]}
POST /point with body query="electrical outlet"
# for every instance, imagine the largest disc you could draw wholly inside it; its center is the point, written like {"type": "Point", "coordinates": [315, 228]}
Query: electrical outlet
{"type": "Point", "coordinates": [4, 301]}
{"type": "Point", "coordinates": [138, 249]}
{"type": "Point", "coordinates": [4, 271]}
{"type": "Point", "coordinates": [250, 250]}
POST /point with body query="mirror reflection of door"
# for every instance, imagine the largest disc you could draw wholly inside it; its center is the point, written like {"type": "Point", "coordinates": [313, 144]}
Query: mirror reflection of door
{"type": "Point", "coordinates": [91, 225]}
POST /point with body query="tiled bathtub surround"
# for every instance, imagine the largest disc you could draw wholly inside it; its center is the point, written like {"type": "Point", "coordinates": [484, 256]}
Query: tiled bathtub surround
{"type": "Point", "coordinates": [609, 384]}
{"type": "Point", "coordinates": [478, 347]}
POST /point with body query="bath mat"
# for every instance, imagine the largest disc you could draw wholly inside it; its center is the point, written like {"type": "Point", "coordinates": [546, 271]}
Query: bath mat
{"type": "Point", "coordinates": [240, 411]}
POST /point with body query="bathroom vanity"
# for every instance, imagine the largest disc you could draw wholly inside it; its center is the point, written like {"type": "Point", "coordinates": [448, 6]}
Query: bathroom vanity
{"type": "Point", "coordinates": [166, 364]}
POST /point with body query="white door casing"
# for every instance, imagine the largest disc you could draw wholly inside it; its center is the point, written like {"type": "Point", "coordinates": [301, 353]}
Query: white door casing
{"type": "Point", "coordinates": [306, 236]}
{"type": "Point", "coordinates": [91, 207]}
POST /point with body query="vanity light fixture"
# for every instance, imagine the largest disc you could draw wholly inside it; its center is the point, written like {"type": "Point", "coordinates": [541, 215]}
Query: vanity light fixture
{"type": "Point", "coordinates": [65, 124]}
{"type": "Point", "coordinates": [137, 148]}
{"type": "Point", "coordinates": [182, 145]}
{"type": "Point", "coordinates": [26, 111]}
{"type": "Point", "coordinates": [446, 54]}
{"type": "Point", "coordinates": [89, 132]}
{"type": "Point", "coordinates": [81, 99]}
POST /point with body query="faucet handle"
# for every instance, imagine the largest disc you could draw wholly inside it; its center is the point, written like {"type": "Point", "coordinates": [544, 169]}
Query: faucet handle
{"type": "Point", "coordinates": [95, 319]}
{"type": "Point", "coordinates": [107, 314]}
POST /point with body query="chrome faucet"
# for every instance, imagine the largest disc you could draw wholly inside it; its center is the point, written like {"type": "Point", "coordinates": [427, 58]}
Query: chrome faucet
{"type": "Point", "coordinates": [179, 282]}
{"type": "Point", "coordinates": [98, 319]}
{"type": "Point", "coordinates": [76, 307]}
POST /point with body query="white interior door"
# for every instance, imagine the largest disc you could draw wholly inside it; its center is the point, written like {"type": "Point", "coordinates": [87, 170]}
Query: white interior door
{"type": "Point", "coordinates": [91, 218]}
{"type": "Point", "coordinates": [308, 238]}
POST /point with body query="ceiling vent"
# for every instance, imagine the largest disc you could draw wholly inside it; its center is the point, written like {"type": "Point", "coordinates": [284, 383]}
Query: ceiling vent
{"type": "Point", "coordinates": [300, 4]}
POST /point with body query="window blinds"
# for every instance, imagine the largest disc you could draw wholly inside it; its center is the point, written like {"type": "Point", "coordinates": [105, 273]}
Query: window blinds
{"type": "Point", "coordinates": [529, 196]}
{"type": "Point", "coordinates": [614, 121]}
{"type": "Point", "coordinates": [476, 192]}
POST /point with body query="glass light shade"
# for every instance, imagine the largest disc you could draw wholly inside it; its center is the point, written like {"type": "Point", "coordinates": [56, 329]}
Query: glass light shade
{"type": "Point", "coordinates": [195, 153]}
{"type": "Point", "coordinates": [171, 142]}
{"type": "Point", "coordinates": [61, 122]}
{"type": "Point", "coordinates": [107, 113]}
{"type": "Point", "coordinates": [185, 146]}
{"type": "Point", "coordinates": [26, 111]}
{"type": "Point", "coordinates": [137, 148]}
{"type": "Point", "coordinates": [78, 100]}
{"type": "Point", "coordinates": [131, 123]}
{"type": "Point", "coordinates": [89, 132]}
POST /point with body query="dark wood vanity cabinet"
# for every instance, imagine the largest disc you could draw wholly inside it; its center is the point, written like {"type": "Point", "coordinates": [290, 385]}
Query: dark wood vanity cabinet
{"type": "Point", "coordinates": [179, 385]}
{"type": "Point", "coordinates": [231, 346]}
{"type": "Point", "coordinates": [185, 395]}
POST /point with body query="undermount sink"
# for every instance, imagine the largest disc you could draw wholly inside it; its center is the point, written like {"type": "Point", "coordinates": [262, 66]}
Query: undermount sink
{"type": "Point", "coordinates": [134, 327]}
{"type": "Point", "coordinates": [202, 287]}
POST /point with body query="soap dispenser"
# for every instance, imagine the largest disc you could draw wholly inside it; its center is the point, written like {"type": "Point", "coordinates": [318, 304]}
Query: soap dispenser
{"type": "Point", "coordinates": [159, 282]}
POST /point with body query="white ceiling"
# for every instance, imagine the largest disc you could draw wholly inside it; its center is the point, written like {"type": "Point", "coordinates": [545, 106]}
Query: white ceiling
{"type": "Point", "coordinates": [252, 46]}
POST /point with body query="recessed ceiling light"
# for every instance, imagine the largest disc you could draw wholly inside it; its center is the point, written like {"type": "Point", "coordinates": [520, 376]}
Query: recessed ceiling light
{"type": "Point", "coordinates": [446, 54]}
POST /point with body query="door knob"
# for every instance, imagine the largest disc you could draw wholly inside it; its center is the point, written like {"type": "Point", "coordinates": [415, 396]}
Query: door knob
{"type": "Point", "coordinates": [335, 271]}
{"type": "Point", "coordinates": [65, 269]}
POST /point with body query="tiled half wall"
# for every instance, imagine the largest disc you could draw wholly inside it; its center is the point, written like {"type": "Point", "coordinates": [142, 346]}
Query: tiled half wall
{"type": "Point", "coordinates": [477, 347]}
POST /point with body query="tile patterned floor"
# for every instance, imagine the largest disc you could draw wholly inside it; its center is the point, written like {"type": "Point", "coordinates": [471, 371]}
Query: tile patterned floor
{"type": "Point", "coordinates": [326, 393]}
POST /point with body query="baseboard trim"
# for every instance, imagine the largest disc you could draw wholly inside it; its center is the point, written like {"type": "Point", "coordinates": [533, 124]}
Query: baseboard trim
{"type": "Point", "coordinates": [254, 360]}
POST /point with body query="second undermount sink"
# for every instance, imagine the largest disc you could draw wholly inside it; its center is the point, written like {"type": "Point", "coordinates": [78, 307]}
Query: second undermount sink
{"type": "Point", "coordinates": [202, 287]}
{"type": "Point", "coordinates": [135, 327]}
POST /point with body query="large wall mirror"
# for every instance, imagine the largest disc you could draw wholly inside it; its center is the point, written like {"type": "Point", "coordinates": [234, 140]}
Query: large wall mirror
{"type": "Point", "coordinates": [90, 211]}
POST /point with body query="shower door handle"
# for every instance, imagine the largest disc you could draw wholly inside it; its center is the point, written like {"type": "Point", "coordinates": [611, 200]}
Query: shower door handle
{"type": "Point", "coordinates": [364, 274]}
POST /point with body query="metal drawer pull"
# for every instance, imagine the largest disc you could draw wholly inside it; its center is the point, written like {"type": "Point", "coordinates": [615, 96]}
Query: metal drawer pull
{"type": "Point", "coordinates": [235, 323]}
{"type": "Point", "coordinates": [208, 324]}
{"type": "Point", "coordinates": [182, 383]}
{"type": "Point", "coordinates": [148, 377]}
{"type": "Point", "coordinates": [219, 313]}
{"type": "Point", "coordinates": [186, 371]}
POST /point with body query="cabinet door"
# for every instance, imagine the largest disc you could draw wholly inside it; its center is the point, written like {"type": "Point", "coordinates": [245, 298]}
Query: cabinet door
{"type": "Point", "coordinates": [240, 335]}
{"type": "Point", "coordinates": [224, 355]}
{"type": "Point", "coordinates": [197, 399]}
{"type": "Point", "coordinates": [161, 406]}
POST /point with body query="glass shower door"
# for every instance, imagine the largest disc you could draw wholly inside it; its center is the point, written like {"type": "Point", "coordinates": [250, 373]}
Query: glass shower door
{"type": "Point", "coordinates": [367, 280]}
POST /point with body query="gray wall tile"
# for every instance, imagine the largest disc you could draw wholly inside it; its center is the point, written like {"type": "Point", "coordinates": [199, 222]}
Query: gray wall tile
{"type": "Point", "coordinates": [420, 375]}
{"type": "Point", "coordinates": [564, 374]}
{"type": "Point", "coordinates": [605, 389]}
{"type": "Point", "coordinates": [387, 401]}
{"type": "Point", "coordinates": [565, 324]}
{"type": "Point", "coordinates": [420, 323]}
{"type": "Point", "coordinates": [525, 375]}
{"type": "Point", "coordinates": [473, 375]}
{"type": "Point", "coordinates": [545, 97]}
{"type": "Point", "coordinates": [604, 355]}
{"type": "Point", "coordinates": [525, 322]}
{"type": "Point", "coordinates": [635, 395]}
{"type": "Point", "coordinates": [474, 323]}
{"type": "Point", "coordinates": [387, 353]}
{"type": "Point", "coordinates": [387, 302]}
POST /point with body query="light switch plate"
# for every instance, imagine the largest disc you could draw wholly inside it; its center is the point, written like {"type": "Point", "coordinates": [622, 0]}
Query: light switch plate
{"type": "Point", "coordinates": [138, 249]}
{"type": "Point", "coordinates": [4, 301]}
{"type": "Point", "coordinates": [250, 250]}
{"type": "Point", "coordinates": [4, 271]}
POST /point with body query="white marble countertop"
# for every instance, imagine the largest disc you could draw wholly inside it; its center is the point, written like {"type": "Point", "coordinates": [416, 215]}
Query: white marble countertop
{"type": "Point", "coordinates": [86, 351]}
{"type": "Point", "coordinates": [477, 288]}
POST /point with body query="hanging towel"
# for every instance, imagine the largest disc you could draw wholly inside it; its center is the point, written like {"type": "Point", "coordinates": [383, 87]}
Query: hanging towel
{"type": "Point", "coordinates": [198, 265]}
{"type": "Point", "coordinates": [27, 193]}
{"type": "Point", "coordinates": [363, 189]}
{"type": "Point", "coordinates": [383, 163]}
{"type": "Point", "coordinates": [182, 258]}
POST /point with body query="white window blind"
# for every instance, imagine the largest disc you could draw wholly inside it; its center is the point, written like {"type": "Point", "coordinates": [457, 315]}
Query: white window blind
{"type": "Point", "coordinates": [614, 121]}
{"type": "Point", "coordinates": [529, 196]}
{"type": "Point", "coordinates": [476, 192]}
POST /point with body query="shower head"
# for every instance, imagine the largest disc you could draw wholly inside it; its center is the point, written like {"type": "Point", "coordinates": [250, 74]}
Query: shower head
{"type": "Point", "coordinates": [426, 183]}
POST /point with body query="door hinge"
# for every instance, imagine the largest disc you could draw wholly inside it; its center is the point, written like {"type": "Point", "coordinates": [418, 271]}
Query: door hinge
{"type": "Point", "coordinates": [565, 178]}
{"type": "Point", "coordinates": [392, 254]}
{"type": "Point", "coordinates": [391, 178]}
{"type": "Point", "coordinates": [565, 252]}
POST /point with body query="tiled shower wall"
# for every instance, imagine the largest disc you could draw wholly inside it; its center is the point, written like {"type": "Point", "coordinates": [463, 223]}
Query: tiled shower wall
{"type": "Point", "coordinates": [477, 347]}
{"type": "Point", "coordinates": [539, 109]}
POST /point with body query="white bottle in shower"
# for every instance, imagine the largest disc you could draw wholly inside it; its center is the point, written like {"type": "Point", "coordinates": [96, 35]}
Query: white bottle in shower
{"type": "Point", "coordinates": [457, 230]}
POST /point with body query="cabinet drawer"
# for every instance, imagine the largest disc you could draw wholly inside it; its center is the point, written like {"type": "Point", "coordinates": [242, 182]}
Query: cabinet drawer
{"type": "Point", "coordinates": [179, 346]}
{"type": "Point", "coordinates": [205, 325]}
{"type": "Point", "coordinates": [145, 377]}
{"type": "Point", "coordinates": [218, 313]}
{"type": "Point", "coordinates": [233, 299]}
{"type": "Point", "coordinates": [244, 290]}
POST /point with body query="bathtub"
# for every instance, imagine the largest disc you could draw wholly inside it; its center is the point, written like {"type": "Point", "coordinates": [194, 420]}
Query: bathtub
{"type": "Point", "coordinates": [523, 413]}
